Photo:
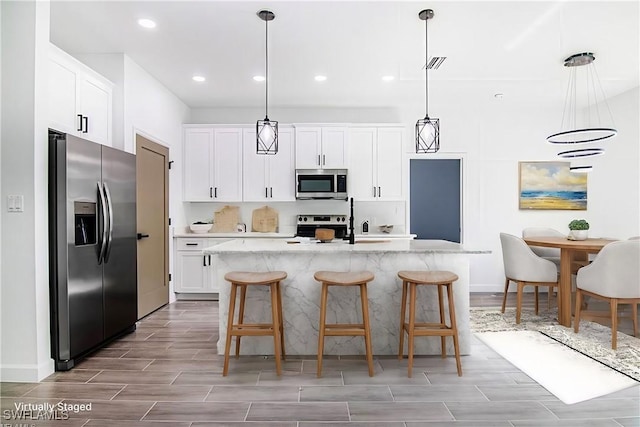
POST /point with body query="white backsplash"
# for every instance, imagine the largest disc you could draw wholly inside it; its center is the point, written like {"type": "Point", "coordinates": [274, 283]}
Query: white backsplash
{"type": "Point", "coordinates": [377, 213]}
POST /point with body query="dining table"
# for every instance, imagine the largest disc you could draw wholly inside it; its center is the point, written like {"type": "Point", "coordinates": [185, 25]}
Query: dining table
{"type": "Point", "coordinates": [570, 250]}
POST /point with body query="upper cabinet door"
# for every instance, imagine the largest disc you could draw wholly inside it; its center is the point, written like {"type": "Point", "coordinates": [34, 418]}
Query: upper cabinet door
{"type": "Point", "coordinates": [80, 100]}
{"type": "Point", "coordinates": [95, 104]}
{"type": "Point", "coordinates": [282, 175]}
{"type": "Point", "coordinates": [389, 163]}
{"type": "Point", "coordinates": [308, 146]}
{"type": "Point", "coordinates": [227, 165]}
{"type": "Point", "coordinates": [334, 148]}
{"type": "Point", "coordinates": [254, 170]}
{"type": "Point", "coordinates": [361, 183]}
{"type": "Point", "coordinates": [197, 165]}
{"type": "Point", "coordinates": [63, 97]}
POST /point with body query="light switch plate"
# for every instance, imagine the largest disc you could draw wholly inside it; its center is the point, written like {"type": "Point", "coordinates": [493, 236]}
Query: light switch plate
{"type": "Point", "coordinates": [15, 203]}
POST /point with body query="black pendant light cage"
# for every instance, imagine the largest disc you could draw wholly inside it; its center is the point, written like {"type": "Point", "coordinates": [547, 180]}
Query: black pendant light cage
{"type": "Point", "coordinates": [266, 136]}
{"type": "Point", "coordinates": [266, 130]}
{"type": "Point", "coordinates": [427, 135]}
{"type": "Point", "coordinates": [427, 129]}
{"type": "Point", "coordinates": [571, 132]}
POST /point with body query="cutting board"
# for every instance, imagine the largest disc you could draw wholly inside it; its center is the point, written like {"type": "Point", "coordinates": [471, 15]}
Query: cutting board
{"type": "Point", "coordinates": [225, 220]}
{"type": "Point", "coordinates": [264, 220]}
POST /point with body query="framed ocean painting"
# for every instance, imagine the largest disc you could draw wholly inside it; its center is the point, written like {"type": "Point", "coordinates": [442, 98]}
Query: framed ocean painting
{"type": "Point", "coordinates": [551, 185]}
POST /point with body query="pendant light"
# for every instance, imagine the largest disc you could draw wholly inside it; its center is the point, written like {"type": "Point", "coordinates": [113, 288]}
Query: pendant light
{"type": "Point", "coordinates": [574, 130]}
{"type": "Point", "coordinates": [427, 129]}
{"type": "Point", "coordinates": [266, 130]}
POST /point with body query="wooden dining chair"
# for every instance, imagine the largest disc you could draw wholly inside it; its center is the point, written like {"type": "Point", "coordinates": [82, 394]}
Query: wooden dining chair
{"type": "Point", "coordinates": [523, 266]}
{"type": "Point", "coordinates": [613, 276]}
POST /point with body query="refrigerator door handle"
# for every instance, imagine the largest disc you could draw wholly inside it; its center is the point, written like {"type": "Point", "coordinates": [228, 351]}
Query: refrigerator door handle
{"type": "Point", "coordinates": [103, 242]}
{"type": "Point", "coordinates": [107, 193]}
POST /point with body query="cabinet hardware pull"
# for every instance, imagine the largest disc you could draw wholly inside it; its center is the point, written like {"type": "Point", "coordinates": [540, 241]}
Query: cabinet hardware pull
{"type": "Point", "coordinates": [86, 124]}
{"type": "Point", "coordinates": [318, 159]}
{"type": "Point", "coordinates": [209, 259]}
{"type": "Point", "coordinates": [271, 192]}
{"type": "Point", "coordinates": [211, 192]}
{"type": "Point", "coordinates": [215, 192]}
{"type": "Point", "coordinates": [204, 260]}
{"type": "Point", "coordinates": [378, 191]}
{"type": "Point", "coordinates": [374, 191]}
{"type": "Point", "coordinates": [265, 192]}
{"type": "Point", "coordinates": [79, 122]}
{"type": "Point", "coordinates": [192, 244]}
{"type": "Point", "coordinates": [324, 160]}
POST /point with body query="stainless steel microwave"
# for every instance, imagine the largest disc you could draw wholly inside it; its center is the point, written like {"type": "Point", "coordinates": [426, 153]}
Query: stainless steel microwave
{"type": "Point", "coordinates": [321, 184]}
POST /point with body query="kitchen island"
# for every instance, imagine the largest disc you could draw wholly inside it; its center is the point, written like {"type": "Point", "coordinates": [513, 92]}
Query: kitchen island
{"type": "Point", "coordinates": [301, 292]}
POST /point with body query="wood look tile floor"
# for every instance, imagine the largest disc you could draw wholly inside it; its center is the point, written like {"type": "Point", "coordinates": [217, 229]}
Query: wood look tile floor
{"type": "Point", "coordinates": [168, 373]}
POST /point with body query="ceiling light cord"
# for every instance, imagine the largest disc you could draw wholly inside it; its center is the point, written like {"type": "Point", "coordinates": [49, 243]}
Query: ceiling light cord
{"type": "Point", "coordinates": [266, 69]}
{"type": "Point", "coordinates": [426, 69]}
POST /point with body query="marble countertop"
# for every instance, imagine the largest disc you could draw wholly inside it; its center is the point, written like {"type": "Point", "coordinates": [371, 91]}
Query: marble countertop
{"type": "Point", "coordinates": [340, 246]}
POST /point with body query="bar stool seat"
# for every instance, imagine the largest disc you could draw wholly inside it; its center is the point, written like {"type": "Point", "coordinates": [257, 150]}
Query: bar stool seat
{"type": "Point", "coordinates": [243, 279]}
{"type": "Point", "coordinates": [410, 280]}
{"type": "Point", "coordinates": [351, 278]}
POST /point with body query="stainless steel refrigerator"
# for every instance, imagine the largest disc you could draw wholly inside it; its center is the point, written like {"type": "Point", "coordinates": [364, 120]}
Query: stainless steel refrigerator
{"type": "Point", "coordinates": [92, 227]}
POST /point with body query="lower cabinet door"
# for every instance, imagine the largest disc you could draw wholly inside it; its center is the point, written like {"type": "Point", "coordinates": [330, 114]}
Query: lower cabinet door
{"type": "Point", "coordinates": [193, 272]}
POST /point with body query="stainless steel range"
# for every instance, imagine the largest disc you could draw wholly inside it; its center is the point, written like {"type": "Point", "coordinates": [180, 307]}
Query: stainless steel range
{"type": "Point", "coordinates": [307, 225]}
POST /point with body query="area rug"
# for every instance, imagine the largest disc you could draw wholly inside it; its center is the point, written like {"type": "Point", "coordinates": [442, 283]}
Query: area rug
{"type": "Point", "coordinates": [593, 340]}
{"type": "Point", "coordinates": [570, 376]}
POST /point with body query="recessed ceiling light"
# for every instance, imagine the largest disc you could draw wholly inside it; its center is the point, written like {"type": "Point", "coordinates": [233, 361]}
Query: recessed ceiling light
{"type": "Point", "coordinates": [387, 78]}
{"type": "Point", "coordinates": [258, 78]}
{"type": "Point", "coordinates": [198, 79]}
{"type": "Point", "coordinates": [320, 78]}
{"type": "Point", "coordinates": [146, 23]}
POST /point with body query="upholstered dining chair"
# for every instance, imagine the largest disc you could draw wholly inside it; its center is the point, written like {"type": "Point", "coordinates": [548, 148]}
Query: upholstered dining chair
{"type": "Point", "coordinates": [614, 276]}
{"type": "Point", "coordinates": [552, 254]}
{"type": "Point", "coordinates": [523, 266]}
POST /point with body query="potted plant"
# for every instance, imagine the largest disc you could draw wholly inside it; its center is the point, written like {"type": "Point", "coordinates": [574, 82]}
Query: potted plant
{"type": "Point", "coordinates": [578, 229]}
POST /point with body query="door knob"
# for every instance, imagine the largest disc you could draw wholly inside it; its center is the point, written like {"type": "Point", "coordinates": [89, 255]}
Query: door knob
{"type": "Point", "coordinates": [142, 236]}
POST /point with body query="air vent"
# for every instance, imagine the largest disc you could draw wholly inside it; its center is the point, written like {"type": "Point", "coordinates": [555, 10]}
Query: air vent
{"type": "Point", "coordinates": [435, 62]}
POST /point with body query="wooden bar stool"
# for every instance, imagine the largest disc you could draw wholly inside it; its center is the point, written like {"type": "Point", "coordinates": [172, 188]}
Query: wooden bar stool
{"type": "Point", "coordinates": [275, 328]}
{"type": "Point", "coordinates": [335, 278]}
{"type": "Point", "coordinates": [410, 280]}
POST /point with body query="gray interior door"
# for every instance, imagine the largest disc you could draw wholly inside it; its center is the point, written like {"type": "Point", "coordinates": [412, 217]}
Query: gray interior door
{"type": "Point", "coordinates": [435, 199]}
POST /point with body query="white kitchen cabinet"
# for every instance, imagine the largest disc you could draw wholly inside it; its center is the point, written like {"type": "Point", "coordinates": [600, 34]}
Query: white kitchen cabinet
{"type": "Point", "coordinates": [193, 270]}
{"type": "Point", "coordinates": [268, 177]}
{"type": "Point", "coordinates": [375, 169]}
{"type": "Point", "coordinates": [80, 100]}
{"type": "Point", "coordinates": [212, 164]}
{"type": "Point", "coordinates": [322, 147]}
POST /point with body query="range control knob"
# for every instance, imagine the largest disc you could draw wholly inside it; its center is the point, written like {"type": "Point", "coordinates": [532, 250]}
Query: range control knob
{"type": "Point", "coordinates": [305, 218]}
{"type": "Point", "coordinates": [343, 219]}
{"type": "Point", "coordinates": [299, 218]}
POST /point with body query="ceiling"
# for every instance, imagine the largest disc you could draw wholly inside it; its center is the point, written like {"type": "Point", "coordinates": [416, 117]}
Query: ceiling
{"type": "Point", "coordinates": [511, 47]}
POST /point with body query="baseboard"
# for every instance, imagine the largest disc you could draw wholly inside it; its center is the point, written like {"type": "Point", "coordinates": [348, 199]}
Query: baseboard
{"type": "Point", "coordinates": [26, 373]}
{"type": "Point", "coordinates": [499, 289]}
{"type": "Point", "coordinates": [190, 296]}
{"type": "Point", "coordinates": [486, 288]}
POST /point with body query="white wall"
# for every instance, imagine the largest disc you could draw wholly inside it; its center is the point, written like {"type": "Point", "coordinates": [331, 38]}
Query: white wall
{"type": "Point", "coordinates": [24, 314]}
{"type": "Point", "coordinates": [491, 138]}
{"type": "Point", "coordinates": [155, 112]}
{"type": "Point", "coordinates": [496, 136]}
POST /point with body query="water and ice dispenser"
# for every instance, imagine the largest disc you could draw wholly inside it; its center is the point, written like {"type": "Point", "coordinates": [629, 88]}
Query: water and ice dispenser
{"type": "Point", "coordinates": [85, 223]}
